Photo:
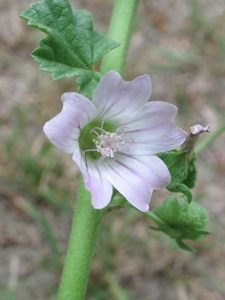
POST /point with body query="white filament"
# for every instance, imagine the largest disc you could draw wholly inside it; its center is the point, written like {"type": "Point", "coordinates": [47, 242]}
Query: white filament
{"type": "Point", "coordinates": [109, 143]}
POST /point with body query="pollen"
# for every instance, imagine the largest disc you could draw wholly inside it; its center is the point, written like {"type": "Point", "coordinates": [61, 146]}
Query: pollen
{"type": "Point", "coordinates": [108, 143]}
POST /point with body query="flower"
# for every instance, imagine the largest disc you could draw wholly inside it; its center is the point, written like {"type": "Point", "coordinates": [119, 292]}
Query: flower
{"type": "Point", "coordinates": [115, 137]}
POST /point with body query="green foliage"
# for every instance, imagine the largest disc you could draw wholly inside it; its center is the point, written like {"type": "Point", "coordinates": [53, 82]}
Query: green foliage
{"type": "Point", "coordinates": [182, 220]}
{"type": "Point", "coordinates": [183, 172]}
{"type": "Point", "coordinates": [191, 176]}
{"type": "Point", "coordinates": [87, 83]}
{"type": "Point", "coordinates": [72, 46]}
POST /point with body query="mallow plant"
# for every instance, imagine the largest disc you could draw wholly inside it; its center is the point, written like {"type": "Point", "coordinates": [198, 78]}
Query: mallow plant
{"type": "Point", "coordinates": [125, 145]}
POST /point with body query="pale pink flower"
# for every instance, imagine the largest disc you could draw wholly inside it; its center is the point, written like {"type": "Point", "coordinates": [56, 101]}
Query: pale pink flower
{"type": "Point", "coordinates": [115, 137]}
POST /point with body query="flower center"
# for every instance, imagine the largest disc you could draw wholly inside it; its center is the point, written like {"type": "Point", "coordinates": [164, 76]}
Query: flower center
{"type": "Point", "coordinates": [98, 143]}
{"type": "Point", "coordinates": [108, 143]}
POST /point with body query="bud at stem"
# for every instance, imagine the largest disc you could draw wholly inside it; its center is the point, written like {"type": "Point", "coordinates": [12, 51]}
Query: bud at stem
{"type": "Point", "coordinates": [192, 138]}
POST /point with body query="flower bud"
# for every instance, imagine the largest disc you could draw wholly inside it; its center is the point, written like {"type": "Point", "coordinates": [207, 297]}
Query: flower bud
{"type": "Point", "coordinates": [184, 221]}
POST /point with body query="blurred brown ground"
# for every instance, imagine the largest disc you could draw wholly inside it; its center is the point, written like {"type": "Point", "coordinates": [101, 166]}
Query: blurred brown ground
{"type": "Point", "coordinates": [181, 45]}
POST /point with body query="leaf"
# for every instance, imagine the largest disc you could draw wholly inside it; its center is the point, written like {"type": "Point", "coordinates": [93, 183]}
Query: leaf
{"type": "Point", "coordinates": [68, 42]}
{"type": "Point", "coordinates": [83, 22]}
{"type": "Point", "coordinates": [72, 46]}
{"type": "Point", "coordinates": [189, 220]}
{"type": "Point", "coordinates": [181, 220]}
{"type": "Point", "coordinates": [183, 172]}
{"type": "Point", "coordinates": [46, 57]}
{"type": "Point", "coordinates": [177, 165]}
{"type": "Point", "coordinates": [101, 45]}
{"type": "Point", "coordinates": [191, 177]}
{"type": "Point", "coordinates": [87, 83]}
{"type": "Point", "coordinates": [67, 50]}
{"type": "Point", "coordinates": [181, 188]}
{"type": "Point", "coordinates": [183, 246]}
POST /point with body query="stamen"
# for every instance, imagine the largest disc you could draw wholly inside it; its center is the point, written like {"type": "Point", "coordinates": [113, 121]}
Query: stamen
{"type": "Point", "coordinates": [108, 143]}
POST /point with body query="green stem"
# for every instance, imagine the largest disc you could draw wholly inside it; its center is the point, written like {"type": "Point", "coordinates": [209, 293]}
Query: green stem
{"type": "Point", "coordinates": [81, 247]}
{"type": "Point", "coordinates": [160, 223]}
{"type": "Point", "coordinates": [121, 201]}
{"type": "Point", "coordinates": [156, 219]}
{"type": "Point", "coordinates": [120, 31]}
{"type": "Point", "coordinates": [211, 138]}
{"type": "Point", "coordinates": [86, 219]}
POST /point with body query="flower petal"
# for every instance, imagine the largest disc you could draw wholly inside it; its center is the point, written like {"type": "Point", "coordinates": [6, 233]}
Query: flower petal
{"type": "Point", "coordinates": [63, 130]}
{"type": "Point", "coordinates": [136, 177]}
{"type": "Point", "coordinates": [153, 130]}
{"type": "Point", "coordinates": [117, 99]}
{"type": "Point", "coordinates": [101, 189]}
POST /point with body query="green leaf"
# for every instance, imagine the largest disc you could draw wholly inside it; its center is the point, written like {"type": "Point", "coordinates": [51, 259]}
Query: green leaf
{"type": "Point", "coordinates": [181, 220]}
{"type": "Point", "coordinates": [183, 172]}
{"type": "Point", "coordinates": [101, 45]}
{"type": "Point", "coordinates": [183, 246]}
{"type": "Point", "coordinates": [189, 220]}
{"type": "Point", "coordinates": [46, 57]}
{"type": "Point", "coordinates": [177, 165]}
{"type": "Point", "coordinates": [72, 46]}
{"type": "Point", "coordinates": [181, 188]}
{"type": "Point", "coordinates": [83, 27]}
{"type": "Point", "coordinates": [87, 83]}
{"type": "Point", "coordinates": [66, 43]}
{"type": "Point", "coordinates": [191, 177]}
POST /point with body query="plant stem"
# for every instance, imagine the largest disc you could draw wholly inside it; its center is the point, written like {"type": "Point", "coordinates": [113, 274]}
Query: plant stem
{"type": "Point", "coordinates": [156, 219]}
{"type": "Point", "coordinates": [211, 138]}
{"type": "Point", "coordinates": [86, 219]}
{"type": "Point", "coordinates": [120, 31]}
{"type": "Point", "coordinates": [81, 247]}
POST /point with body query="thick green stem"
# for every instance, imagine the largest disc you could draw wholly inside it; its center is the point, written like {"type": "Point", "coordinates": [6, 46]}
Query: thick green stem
{"type": "Point", "coordinates": [81, 247]}
{"type": "Point", "coordinates": [86, 219]}
{"type": "Point", "coordinates": [120, 31]}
